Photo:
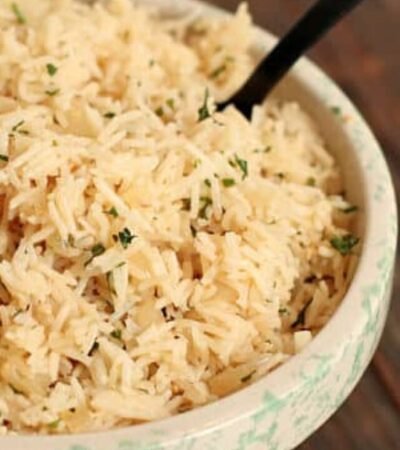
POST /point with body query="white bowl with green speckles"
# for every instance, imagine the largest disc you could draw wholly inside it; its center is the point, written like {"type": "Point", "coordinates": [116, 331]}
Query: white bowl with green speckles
{"type": "Point", "coordinates": [283, 409]}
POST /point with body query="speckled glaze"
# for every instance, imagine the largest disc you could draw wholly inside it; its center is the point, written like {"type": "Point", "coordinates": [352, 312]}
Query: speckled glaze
{"type": "Point", "coordinates": [280, 411]}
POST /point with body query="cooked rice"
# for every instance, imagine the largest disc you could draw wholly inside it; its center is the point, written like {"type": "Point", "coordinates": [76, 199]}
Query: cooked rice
{"type": "Point", "coordinates": [153, 258]}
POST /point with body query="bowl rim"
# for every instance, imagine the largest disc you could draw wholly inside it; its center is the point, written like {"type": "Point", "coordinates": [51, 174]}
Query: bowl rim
{"type": "Point", "coordinates": [381, 218]}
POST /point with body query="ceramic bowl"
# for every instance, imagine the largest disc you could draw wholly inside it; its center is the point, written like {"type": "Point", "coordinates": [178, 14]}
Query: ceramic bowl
{"type": "Point", "coordinates": [283, 409]}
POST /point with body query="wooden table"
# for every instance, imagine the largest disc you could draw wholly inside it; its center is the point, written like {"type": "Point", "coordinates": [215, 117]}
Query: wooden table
{"type": "Point", "coordinates": [363, 55]}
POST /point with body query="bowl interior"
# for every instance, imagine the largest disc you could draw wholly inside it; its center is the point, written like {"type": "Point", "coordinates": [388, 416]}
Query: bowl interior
{"type": "Point", "coordinates": [346, 134]}
{"type": "Point", "coordinates": [330, 120]}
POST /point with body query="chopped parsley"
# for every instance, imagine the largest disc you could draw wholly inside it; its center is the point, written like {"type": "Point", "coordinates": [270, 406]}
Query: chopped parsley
{"type": "Point", "coordinates": [17, 313]}
{"type": "Point", "coordinates": [96, 250]}
{"type": "Point", "coordinates": [159, 111]}
{"type": "Point", "coordinates": [283, 311]}
{"type": "Point", "coordinates": [54, 425]}
{"type": "Point", "coordinates": [94, 347]}
{"type": "Point", "coordinates": [228, 182]}
{"type": "Point", "coordinates": [267, 149]}
{"type": "Point", "coordinates": [223, 67]}
{"type": "Point", "coordinates": [52, 92]}
{"type": "Point", "coordinates": [311, 181]}
{"type": "Point", "coordinates": [15, 128]}
{"type": "Point", "coordinates": [4, 158]}
{"type": "Point", "coordinates": [125, 237]}
{"type": "Point", "coordinates": [203, 210]}
{"type": "Point", "coordinates": [116, 334]}
{"type": "Point", "coordinates": [243, 166]}
{"type": "Point", "coordinates": [218, 71]}
{"type": "Point", "coordinates": [204, 112]}
{"type": "Point", "coordinates": [113, 212]}
{"type": "Point", "coordinates": [301, 318]}
{"type": "Point", "coordinates": [248, 377]}
{"type": "Point", "coordinates": [207, 182]}
{"type": "Point", "coordinates": [51, 69]}
{"type": "Point", "coordinates": [171, 103]}
{"type": "Point", "coordinates": [196, 163]}
{"type": "Point", "coordinates": [344, 244]}
{"type": "Point", "coordinates": [70, 240]}
{"type": "Point", "coordinates": [109, 115]}
{"type": "Point", "coordinates": [336, 110]}
{"type": "Point", "coordinates": [18, 14]}
{"type": "Point", "coordinates": [350, 209]}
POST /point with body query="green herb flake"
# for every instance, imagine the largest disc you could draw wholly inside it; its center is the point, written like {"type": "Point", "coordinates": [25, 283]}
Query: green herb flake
{"type": "Point", "coordinates": [267, 149]}
{"type": "Point", "coordinates": [51, 69]}
{"type": "Point", "coordinates": [243, 166]}
{"type": "Point", "coordinates": [113, 212]}
{"type": "Point", "coordinates": [344, 244]}
{"type": "Point", "coordinates": [71, 240]}
{"type": "Point", "coordinates": [109, 115]}
{"type": "Point", "coordinates": [96, 250]}
{"type": "Point", "coordinates": [204, 112]}
{"type": "Point", "coordinates": [350, 209]}
{"type": "Point", "coordinates": [94, 347]}
{"type": "Point", "coordinates": [52, 92]}
{"type": "Point", "coordinates": [336, 110]}
{"type": "Point", "coordinates": [203, 210]}
{"type": "Point", "coordinates": [301, 317]}
{"type": "Point", "coordinates": [232, 163]}
{"type": "Point", "coordinates": [18, 13]}
{"type": "Point", "coordinates": [283, 311]}
{"type": "Point", "coordinates": [16, 127]}
{"type": "Point", "coordinates": [17, 313]}
{"type": "Point", "coordinates": [125, 237]}
{"type": "Point", "coordinates": [159, 111]}
{"type": "Point", "coordinates": [218, 71]}
{"type": "Point", "coordinates": [196, 163]}
{"type": "Point", "coordinates": [207, 182]}
{"type": "Point", "coordinates": [228, 182]}
{"type": "Point", "coordinates": [311, 181]}
{"type": "Point", "coordinates": [116, 334]}
{"type": "Point", "coordinates": [4, 158]}
{"type": "Point", "coordinates": [248, 377]}
{"type": "Point", "coordinates": [53, 425]}
{"type": "Point", "coordinates": [171, 103]}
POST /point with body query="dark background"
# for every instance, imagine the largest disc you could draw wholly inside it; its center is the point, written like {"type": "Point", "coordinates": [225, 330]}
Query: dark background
{"type": "Point", "coordinates": [363, 55]}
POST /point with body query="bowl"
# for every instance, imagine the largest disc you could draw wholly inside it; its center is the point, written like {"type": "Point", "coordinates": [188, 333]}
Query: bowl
{"type": "Point", "coordinates": [281, 410]}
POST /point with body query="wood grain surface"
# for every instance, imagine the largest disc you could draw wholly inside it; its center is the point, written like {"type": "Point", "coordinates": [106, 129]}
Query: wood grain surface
{"type": "Point", "coordinates": [363, 55]}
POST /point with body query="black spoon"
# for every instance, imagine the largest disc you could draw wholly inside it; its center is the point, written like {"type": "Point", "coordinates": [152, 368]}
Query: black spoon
{"type": "Point", "coordinates": [311, 27]}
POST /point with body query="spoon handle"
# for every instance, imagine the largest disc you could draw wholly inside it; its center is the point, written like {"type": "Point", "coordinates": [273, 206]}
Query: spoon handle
{"type": "Point", "coordinates": [310, 28]}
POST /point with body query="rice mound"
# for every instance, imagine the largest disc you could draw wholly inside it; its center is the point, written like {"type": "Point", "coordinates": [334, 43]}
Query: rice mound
{"type": "Point", "coordinates": [155, 255]}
